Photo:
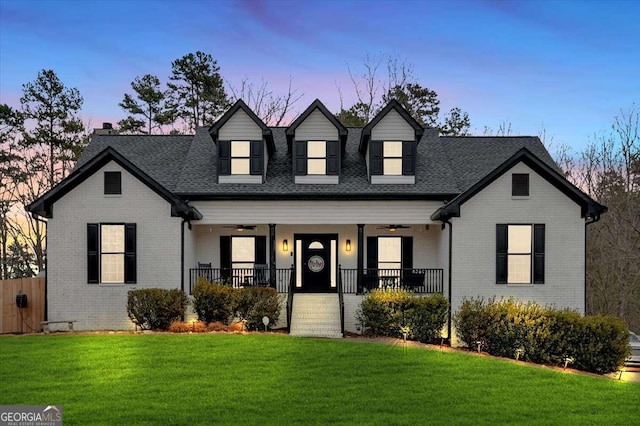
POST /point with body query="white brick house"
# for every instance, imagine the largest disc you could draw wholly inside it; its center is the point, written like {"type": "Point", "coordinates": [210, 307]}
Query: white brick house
{"type": "Point", "coordinates": [320, 212]}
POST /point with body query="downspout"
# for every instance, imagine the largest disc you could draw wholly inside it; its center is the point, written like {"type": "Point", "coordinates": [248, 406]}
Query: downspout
{"type": "Point", "coordinates": [46, 267]}
{"type": "Point", "coordinates": [182, 254]}
{"type": "Point", "coordinates": [449, 278]}
{"type": "Point", "coordinates": [588, 222]}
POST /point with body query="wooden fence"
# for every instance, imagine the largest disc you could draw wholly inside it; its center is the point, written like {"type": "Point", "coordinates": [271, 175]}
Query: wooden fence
{"type": "Point", "coordinates": [12, 320]}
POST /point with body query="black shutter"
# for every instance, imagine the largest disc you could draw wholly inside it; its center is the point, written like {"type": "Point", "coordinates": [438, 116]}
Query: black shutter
{"type": "Point", "coordinates": [375, 157]}
{"type": "Point", "coordinates": [520, 184]}
{"type": "Point", "coordinates": [261, 250]}
{"type": "Point", "coordinates": [112, 183]}
{"type": "Point", "coordinates": [333, 159]}
{"type": "Point", "coordinates": [372, 252]}
{"type": "Point", "coordinates": [224, 158]}
{"type": "Point", "coordinates": [538, 254]}
{"type": "Point", "coordinates": [501, 254]}
{"type": "Point", "coordinates": [301, 158]}
{"type": "Point", "coordinates": [257, 159]}
{"type": "Point", "coordinates": [407, 257]}
{"type": "Point", "coordinates": [407, 252]}
{"type": "Point", "coordinates": [130, 275]}
{"type": "Point", "coordinates": [225, 256]}
{"type": "Point", "coordinates": [408, 158]}
{"type": "Point", "coordinates": [93, 254]}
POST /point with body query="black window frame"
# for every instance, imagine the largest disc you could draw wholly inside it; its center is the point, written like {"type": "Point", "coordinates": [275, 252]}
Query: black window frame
{"type": "Point", "coordinates": [377, 157]}
{"type": "Point", "coordinates": [256, 157]}
{"type": "Point", "coordinates": [94, 253]}
{"type": "Point", "coordinates": [112, 183]}
{"type": "Point", "coordinates": [331, 158]}
{"type": "Point", "coordinates": [520, 185]}
{"type": "Point", "coordinates": [536, 253]}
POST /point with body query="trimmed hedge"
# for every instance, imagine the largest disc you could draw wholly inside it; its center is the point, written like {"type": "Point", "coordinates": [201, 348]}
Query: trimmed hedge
{"type": "Point", "coordinates": [213, 301]}
{"type": "Point", "coordinates": [390, 312]}
{"type": "Point", "coordinates": [543, 335]}
{"type": "Point", "coordinates": [253, 303]}
{"type": "Point", "coordinates": [218, 302]}
{"type": "Point", "coordinates": [155, 308]}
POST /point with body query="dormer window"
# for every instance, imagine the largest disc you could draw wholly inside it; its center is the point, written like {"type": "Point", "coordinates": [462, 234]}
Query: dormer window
{"type": "Point", "coordinates": [317, 158]}
{"type": "Point", "coordinates": [244, 145]}
{"type": "Point", "coordinates": [240, 157]}
{"type": "Point", "coordinates": [316, 139]}
{"type": "Point", "coordinates": [392, 162]}
{"type": "Point", "coordinates": [389, 143]}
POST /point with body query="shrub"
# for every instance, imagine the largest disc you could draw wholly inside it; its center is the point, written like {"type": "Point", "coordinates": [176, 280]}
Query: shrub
{"type": "Point", "coordinates": [253, 303]}
{"type": "Point", "coordinates": [543, 335]}
{"type": "Point", "coordinates": [155, 308]}
{"type": "Point", "coordinates": [603, 344]}
{"type": "Point", "coordinates": [389, 312]}
{"type": "Point", "coordinates": [426, 316]}
{"type": "Point", "coordinates": [213, 301]}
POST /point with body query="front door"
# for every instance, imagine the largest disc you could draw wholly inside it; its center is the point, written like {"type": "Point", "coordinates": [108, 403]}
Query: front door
{"type": "Point", "coordinates": [316, 262]}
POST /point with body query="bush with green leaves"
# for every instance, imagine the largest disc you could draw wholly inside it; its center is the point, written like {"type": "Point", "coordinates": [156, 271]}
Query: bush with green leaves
{"type": "Point", "coordinates": [254, 303]}
{"type": "Point", "coordinates": [390, 312]}
{"type": "Point", "coordinates": [156, 308]}
{"type": "Point", "coordinates": [213, 301]}
{"type": "Point", "coordinates": [543, 335]}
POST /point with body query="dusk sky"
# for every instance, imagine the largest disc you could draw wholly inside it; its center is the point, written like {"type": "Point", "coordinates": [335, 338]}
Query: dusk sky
{"type": "Point", "coordinates": [568, 67]}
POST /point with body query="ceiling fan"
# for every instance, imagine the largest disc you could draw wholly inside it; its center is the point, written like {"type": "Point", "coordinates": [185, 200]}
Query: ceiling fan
{"type": "Point", "coordinates": [393, 228]}
{"type": "Point", "coordinates": [241, 228]}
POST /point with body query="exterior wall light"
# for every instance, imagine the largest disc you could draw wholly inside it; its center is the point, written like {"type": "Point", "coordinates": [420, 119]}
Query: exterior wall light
{"type": "Point", "coordinates": [348, 247]}
{"type": "Point", "coordinates": [285, 245]}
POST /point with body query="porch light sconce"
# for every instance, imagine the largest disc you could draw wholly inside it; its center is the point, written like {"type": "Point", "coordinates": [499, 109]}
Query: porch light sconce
{"type": "Point", "coordinates": [285, 245]}
{"type": "Point", "coordinates": [348, 247]}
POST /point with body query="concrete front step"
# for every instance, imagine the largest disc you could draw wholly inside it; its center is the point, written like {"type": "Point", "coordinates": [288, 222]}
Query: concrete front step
{"type": "Point", "coordinates": [316, 315]}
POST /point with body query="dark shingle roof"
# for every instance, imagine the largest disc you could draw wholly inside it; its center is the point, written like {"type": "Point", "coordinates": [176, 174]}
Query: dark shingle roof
{"type": "Point", "coordinates": [186, 165]}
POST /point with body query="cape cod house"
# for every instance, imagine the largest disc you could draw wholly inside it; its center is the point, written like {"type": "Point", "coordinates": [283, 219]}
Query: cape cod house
{"type": "Point", "coordinates": [320, 212]}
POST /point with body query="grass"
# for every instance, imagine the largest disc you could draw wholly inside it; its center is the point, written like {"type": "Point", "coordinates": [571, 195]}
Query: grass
{"type": "Point", "coordinates": [277, 379]}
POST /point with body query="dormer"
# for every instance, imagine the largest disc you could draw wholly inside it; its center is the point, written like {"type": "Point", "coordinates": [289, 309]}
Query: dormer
{"type": "Point", "coordinates": [316, 140]}
{"type": "Point", "coordinates": [389, 144]}
{"type": "Point", "coordinates": [244, 145]}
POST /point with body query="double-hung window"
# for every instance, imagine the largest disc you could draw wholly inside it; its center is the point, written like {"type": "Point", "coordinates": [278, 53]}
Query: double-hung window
{"type": "Point", "coordinates": [111, 253]}
{"type": "Point", "coordinates": [389, 258]}
{"type": "Point", "coordinates": [240, 157]}
{"type": "Point", "coordinates": [317, 157]}
{"type": "Point", "coordinates": [243, 256]}
{"type": "Point", "coordinates": [392, 158]}
{"type": "Point", "coordinates": [520, 254]}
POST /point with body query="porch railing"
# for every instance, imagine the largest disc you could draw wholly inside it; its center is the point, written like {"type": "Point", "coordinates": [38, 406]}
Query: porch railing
{"type": "Point", "coordinates": [242, 277]}
{"type": "Point", "coordinates": [418, 280]}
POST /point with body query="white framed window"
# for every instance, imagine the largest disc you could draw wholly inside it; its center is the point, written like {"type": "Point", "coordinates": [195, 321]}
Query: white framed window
{"type": "Point", "coordinates": [389, 259]}
{"type": "Point", "coordinates": [240, 157]}
{"type": "Point", "coordinates": [392, 158]}
{"type": "Point", "coordinates": [112, 254]}
{"type": "Point", "coordinates": [316, 157]}
{"type": "Point", "coordinates": [519, 245]}
{"type": "Point", "coordinates": [243, 256]}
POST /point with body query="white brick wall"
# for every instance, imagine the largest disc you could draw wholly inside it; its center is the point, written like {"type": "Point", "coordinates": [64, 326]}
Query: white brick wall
{"type": "Point", "coordinates": [474, 243]}
{"type": "Point", "coordinates": [97, 306]}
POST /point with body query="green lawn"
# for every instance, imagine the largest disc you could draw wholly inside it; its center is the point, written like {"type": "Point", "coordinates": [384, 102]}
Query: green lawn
{"type": "Point", "coordinates": [277, 379]}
